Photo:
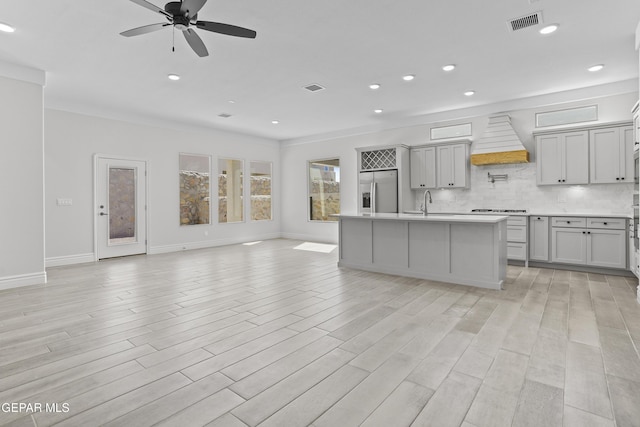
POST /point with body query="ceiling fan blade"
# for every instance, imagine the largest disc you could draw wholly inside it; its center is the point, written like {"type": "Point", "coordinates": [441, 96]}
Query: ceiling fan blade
{"type": "Point", "coordinates": [153, 7]}
{"type": "Point", "coordinates": [190, 8]}
{"type": "Point", "coordinates": [230, 30]}
{"type": "Point", "coordinates": [195, 42]}
{"type": "Point", "coordinates": [144, 29]}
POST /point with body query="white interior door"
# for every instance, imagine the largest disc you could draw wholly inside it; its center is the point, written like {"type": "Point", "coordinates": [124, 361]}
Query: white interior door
{"type": "Point", "coordinates": [120, 211]}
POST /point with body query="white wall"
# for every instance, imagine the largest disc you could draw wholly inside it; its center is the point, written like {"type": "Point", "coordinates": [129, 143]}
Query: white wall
{"type": "Point", "coordinates": [71, 140]}
{"type": "Point", "coordinates": [21, 183]}
{"type": "Point", "coordinates": [520, 191]}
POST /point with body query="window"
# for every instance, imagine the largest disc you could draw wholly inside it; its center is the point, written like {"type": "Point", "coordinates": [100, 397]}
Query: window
{"type": "Point", "coordinates": [324, 189]}
{"type": "Point", "coordinates": [260, 191]}
{"type": "Point", "coordinates": [194, 189]}
{"type": "Point", "coordinates": [230, 202]}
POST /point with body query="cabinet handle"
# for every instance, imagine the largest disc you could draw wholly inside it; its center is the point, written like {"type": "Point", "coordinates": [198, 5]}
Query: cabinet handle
{"type": "Point", "coordinates": [604, 223]}
{"type": "Point", "coordinates": [588, 232]}
{"type": "Point", "coordinates": [622, 178]}
{"type": "Point", "coordinates": [584, 232]}
{"type": "Point", "coordinates": [568, 222]}
{"type": "Point", "coordinates": [539, 218]}
{"type": "Point", "coordinates": [559, 180]}
{"type": "Point", "coordinates": [617, 179]}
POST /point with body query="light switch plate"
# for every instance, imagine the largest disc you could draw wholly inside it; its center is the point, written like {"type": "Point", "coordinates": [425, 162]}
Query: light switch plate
{"type": "Point", "coordinates": [64, 202]}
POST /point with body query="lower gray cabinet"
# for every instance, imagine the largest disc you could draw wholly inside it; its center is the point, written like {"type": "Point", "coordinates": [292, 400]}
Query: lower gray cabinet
{"type": "Point", "coordinates": [539, 238]}
{"type": "Point", "coordinates": [607, 248]}
{"type": "Point", "coordinates": [598, 242]}
{"type": "Point", "coordinates": [568, 245]}
{"type": "Point", "coordinates": [517, 237]}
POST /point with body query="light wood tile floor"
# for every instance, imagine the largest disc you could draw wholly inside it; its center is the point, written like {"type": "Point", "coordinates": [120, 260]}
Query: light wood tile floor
{"type": "Point", "coordinates": [272, 336]}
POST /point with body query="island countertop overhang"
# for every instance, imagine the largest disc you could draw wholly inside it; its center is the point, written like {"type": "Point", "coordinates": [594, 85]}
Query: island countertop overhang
{"type": "Point", "coordinates": [435, 217]}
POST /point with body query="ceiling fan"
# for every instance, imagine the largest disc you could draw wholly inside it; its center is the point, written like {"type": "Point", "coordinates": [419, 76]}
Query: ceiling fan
{"type": "Point", "coordinates": [183, 15]}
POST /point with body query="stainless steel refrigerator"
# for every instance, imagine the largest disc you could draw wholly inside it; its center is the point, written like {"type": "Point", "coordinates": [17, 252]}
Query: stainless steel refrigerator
{"type": "Point", "coordinates": [379, 191]}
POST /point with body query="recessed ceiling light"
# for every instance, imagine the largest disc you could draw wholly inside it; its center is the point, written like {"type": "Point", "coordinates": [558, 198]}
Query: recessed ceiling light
{"type": "Point", "coordinates": [549, 29]}
{"type": "Point", "coordinates": [275, 122]}
{"type": "Point", "coordinates": [173, 77]}
{"type": "Point", "coordinates": [6, 28]}
{"type": "Point", "coordinates": [374, 86]}
{"type": "Point", "coordinates": [469, 93]}
{"type": "Point", "coordinates": [378, 110]}
{"type": "Point", "coordinates": [449, 67]}
{"type": "Point", "coordinates": [595, 68]}
{"type": "Point", "coordinates": [408, 77]}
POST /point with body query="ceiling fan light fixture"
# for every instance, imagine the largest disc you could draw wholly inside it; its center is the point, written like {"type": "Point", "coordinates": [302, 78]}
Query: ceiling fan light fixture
{"type": "Point", "coordinates": [173, 77]}
{"type": "Point", "coordinates": [6, 28]}
{"type": "Point", "coordinates": [469, 93]}
{"type": "Point", "coordinates": [378, 110]}
{"type": "Point", "coordinates": [449, 67]}
{"type": "Point", "coordinates": [374, 86]}
{"type": "Point", "coordinates": [408, 77]}
{"type": "Point", "coordinates": [275, 122]}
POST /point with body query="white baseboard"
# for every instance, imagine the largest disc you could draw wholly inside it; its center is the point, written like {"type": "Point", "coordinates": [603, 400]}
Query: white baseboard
{"type": "Point", "coordinates": [18, 281]}
{"type": "Point", "coordinates": [69, 259]}
{"type": "Point", "coordinates": [163, 249]}
{"type": "Point", "coordinates": [309, 238]}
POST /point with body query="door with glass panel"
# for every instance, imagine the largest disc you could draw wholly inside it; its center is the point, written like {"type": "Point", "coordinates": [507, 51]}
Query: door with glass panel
{"type": "Point", "coordinates": [120, 207]}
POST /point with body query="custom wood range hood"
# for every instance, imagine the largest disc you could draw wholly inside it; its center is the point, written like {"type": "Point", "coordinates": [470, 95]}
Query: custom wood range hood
{"type": "Point", "coordinates": [499, 144]}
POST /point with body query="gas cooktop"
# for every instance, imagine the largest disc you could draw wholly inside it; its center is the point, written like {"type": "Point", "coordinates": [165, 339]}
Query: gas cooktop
{"type": "Point", "coordinates": [500, 210]}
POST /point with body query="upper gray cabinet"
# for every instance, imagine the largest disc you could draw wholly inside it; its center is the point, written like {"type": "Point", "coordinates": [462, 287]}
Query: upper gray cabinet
{"type": "Point", "coordinates": [597, 155]}
{"type": "Point", "coordinates": [444, 165]}
{"type": "Point", "coordinates": [563, 158]}
{"type": "Point", "coordinates": [611, 158]}
{"type": "Point", "coordinates": [423, 168]}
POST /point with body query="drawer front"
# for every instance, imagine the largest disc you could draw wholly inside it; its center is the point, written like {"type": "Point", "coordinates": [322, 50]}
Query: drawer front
{"type": "Point", "coordinates": [607, 223]}
{"type": "Point", "coordinates": [568, 221]}
{"type": "Point", "coordinates": [517, 251]}
{"type": "Point", "coordinates": [517, 220]}
{"type": "Point", "coordinates": [516, 233]}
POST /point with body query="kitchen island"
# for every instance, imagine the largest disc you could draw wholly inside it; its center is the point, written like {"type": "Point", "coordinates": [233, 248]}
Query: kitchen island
{"type": "Point", "coordinates": [462, 249]}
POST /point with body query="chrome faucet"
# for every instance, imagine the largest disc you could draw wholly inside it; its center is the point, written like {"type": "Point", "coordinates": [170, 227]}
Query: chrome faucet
{"type": "Point", "coordinates": [424, 202]}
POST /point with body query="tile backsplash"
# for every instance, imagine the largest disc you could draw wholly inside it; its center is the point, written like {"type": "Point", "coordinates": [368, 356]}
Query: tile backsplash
{"type": "Point", "coordinates": [519, 191]}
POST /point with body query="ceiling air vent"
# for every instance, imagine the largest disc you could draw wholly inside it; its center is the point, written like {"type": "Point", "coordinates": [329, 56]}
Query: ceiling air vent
{"type": "Point", "coordinates": [224, 115]}
{"type": "Point", "coordinates": [525, 21]}
{"type": "Point", "coordinates": [314, 87]}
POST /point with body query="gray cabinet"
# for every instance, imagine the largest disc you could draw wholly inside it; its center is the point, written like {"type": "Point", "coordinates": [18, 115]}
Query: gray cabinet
{"type": "Point", "coordinates": [517, 238]}
{"type": "Point", "coordinates": [539, 238]}
{"type": "Point", "coordinates": [563, 158]}
{"type": "Point", "coordinates": [568, 245]}
{"type": "Point", "coordinates": [606, 248]}
{"type": "Point", "coordinates": [443, 165]}
{"type": "Point", "coordinates": [423, 168]}
{"type": "Point", "coordinates": [611, 155]}
{"type": "Point", "coordinates": [452, 165]}
{"type": "Point", "coordinates": [598, 242]}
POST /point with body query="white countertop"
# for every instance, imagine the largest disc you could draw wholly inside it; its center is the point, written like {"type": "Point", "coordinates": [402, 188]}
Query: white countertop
{"type": "Point", "coordinates": [545, 213]}
{"type": "Point", "coordinates": [431, 217]}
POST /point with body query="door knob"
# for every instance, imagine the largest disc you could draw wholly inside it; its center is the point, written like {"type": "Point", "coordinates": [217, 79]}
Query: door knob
{"type": "Point", "coordinates": [103, 214]}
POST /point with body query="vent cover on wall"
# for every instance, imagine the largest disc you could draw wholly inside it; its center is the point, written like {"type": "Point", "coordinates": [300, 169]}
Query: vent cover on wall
{"type": "Point", "coordinates": [313, 87]}
{"type": "Point", "coordinates": [525, 21]}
